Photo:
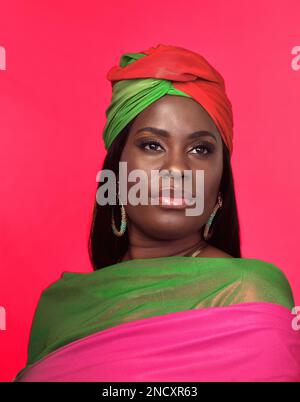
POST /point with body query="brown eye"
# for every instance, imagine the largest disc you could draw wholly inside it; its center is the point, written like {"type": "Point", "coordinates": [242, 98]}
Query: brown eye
{"type": "Point", "coordinates": [150, 145]}
{"type": "Point", "coordinates": [203, 149]}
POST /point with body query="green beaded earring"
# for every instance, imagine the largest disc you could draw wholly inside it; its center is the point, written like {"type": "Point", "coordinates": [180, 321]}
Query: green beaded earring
{"type": "Point", "coordinates": [123, 226]}
{"type": "Point", "coordinates": [206, 234]}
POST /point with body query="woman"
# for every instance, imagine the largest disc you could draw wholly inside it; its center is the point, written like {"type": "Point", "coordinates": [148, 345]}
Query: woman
{"type": "Point", "coordinates": [170, 298]}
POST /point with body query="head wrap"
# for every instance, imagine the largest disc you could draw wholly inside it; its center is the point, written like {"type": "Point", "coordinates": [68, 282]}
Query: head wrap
{"type": "Point", "coordinates": [142, 78]}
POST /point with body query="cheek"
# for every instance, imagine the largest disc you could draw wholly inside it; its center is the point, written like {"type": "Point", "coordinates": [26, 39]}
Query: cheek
{"type": "Point", "coordinates": [137, 171]}
{"type": "Point", "coordinates": [212, 179]}
{"type": "Point", "coordinates": [134, 160]}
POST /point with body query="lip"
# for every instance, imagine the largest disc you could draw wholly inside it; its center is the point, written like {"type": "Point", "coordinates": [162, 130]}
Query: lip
{"type": "Point", "coordinates": [172, 202]}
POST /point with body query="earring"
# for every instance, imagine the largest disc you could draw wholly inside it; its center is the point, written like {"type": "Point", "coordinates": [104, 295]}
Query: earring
{"type": "Point", "coordinates": [206, 234]}
{"type": "Point", "coordinates": [123, 226]}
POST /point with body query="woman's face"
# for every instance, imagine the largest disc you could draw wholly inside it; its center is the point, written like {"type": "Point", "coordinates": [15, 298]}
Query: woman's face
{"type": "Point", "coordinates": [175, 151]}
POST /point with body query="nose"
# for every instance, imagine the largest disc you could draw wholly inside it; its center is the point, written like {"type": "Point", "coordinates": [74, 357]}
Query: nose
{"type": "Point", "coordinates": [170, 171]}
{"type": "Point", "coordinates": [174, 165]}
{"type": "Point", "coordinates": [175, 171]}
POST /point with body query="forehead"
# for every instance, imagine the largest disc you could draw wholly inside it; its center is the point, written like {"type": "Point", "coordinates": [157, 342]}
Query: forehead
{"type": "Point", "coordinates": [173, 112]}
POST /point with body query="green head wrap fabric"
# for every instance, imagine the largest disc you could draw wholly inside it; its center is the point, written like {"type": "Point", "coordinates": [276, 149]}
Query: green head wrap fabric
{"type": "Point", "coordinates": [130, 97]}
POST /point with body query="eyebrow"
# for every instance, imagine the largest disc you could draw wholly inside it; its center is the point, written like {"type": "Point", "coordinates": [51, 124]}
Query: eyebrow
{"type": "Point", "coordinates": [166, 134]}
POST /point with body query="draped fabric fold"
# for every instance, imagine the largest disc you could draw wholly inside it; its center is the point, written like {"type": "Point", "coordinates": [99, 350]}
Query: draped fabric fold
{"type": "Point", "coordinates": [166, 319]}
{"type": "Point", "coordinates": [244, 342]}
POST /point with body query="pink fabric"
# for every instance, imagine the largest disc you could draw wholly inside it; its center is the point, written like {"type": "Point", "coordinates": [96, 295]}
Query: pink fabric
{"type": "Point", "coordinates": [252, 342]}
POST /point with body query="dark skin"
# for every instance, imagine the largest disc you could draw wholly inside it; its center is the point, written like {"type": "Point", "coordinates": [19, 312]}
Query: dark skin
{"type": "Point", "coordinates": [155, 231]}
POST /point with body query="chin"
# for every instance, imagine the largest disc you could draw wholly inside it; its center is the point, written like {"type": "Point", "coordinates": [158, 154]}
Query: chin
{"type": "Point", "coordinates": [168, 228]}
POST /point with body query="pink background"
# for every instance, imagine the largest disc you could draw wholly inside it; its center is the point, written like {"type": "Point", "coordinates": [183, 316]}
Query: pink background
{"type": "Point", "coordinates": [53, 96]}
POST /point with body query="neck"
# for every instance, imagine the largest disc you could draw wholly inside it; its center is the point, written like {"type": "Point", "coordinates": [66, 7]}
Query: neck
{"type": "Point", "coordinates": [143, 247]}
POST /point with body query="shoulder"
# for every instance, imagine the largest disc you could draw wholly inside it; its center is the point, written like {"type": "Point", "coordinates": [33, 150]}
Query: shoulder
{"type": "Point", "coordinates": [264, 281]}
{"type": "Point", "coordinates": [260, 281]}
{"type": "Point", "coordinates": [56, 299]}
{"type": "Point", "coordinates": [255, 268]}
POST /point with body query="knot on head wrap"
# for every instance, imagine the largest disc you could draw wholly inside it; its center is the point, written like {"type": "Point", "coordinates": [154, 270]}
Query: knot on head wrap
{"type": "Point", "coordinates": [142, 78]}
